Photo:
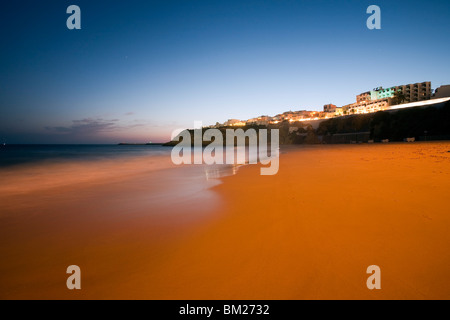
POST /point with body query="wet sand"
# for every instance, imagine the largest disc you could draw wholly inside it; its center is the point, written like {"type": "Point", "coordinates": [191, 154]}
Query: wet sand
{"type": "Point", "coordinates": [308, 232]}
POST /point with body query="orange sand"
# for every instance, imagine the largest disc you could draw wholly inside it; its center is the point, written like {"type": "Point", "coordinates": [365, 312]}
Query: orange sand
{"type": "Point", "coordinates": [308, 232]}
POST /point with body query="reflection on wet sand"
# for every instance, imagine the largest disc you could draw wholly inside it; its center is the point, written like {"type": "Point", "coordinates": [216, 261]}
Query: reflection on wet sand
{"type": "Point", "coordinates": [219, 171]}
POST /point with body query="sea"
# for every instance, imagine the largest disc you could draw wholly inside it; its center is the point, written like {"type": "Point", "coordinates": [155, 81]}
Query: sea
{"type": "Point", "coordinates": [15, 154]}
{"type": "Point", "coordinates": [139, 174]}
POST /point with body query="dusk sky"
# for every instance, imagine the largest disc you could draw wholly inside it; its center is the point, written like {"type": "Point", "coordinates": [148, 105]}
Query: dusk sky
{"type": "Point", "coordinates": [139, 69]}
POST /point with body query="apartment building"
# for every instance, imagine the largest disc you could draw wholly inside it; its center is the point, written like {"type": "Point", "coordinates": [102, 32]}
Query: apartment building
{"type": "Point", "coordinates": [329, 108]}
{"type": "Point", "coordinates": [415, 92]}
{"type": "Point", "coordinates": [381, 98]}
{"type": "Point", "coordinates": [366, 106]}
{"type": "Point", "coordinates": [363, 97]}
{"type": "Point", "coordinates": [412, 92]}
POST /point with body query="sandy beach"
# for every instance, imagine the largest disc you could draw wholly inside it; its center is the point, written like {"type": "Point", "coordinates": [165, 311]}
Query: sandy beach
{"type": "Point", "coordinates": [308, 232]}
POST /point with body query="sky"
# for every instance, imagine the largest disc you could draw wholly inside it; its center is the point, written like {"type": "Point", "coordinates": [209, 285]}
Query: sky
{"type": "Point", "coordinates": [137, 70]}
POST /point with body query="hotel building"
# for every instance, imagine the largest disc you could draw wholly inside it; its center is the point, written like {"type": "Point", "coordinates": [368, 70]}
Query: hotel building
{"type": "Point", "coordinates": [381, 98]}
{"type": "Point", "coordinates": [412, 92]}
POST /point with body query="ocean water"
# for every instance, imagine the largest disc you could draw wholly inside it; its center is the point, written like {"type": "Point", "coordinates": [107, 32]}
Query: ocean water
{"type": "Point", "coordinates": [137, 176]}
{"type": "Point", "coordinates": [28, 170]}
{"type": "Point", "coordinates": [11, 154]}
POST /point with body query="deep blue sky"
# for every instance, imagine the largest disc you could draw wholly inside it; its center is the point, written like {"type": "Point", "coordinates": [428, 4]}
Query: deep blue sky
{"type": "Point", "coordinates": [139, 69]}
